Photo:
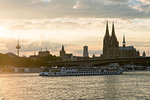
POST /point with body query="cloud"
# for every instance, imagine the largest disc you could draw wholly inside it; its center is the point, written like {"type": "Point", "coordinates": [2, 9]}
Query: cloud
{"type": "Point", "coordinates": [74, 33]}
{"type": "Point", "coordinates": [46, 1]}
{"type": "Point", "coordinates": [35, 9]}
{"type": "Point", "coordinates": [145, 1]}
{"type": "Point", "coordinates": [142, 6]}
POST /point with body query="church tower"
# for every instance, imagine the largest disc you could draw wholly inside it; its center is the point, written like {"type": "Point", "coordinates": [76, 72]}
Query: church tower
{"type": "Point", "coordinates": [124, 41]}
{"type": "Point", "coordinates": [144, 54]}
{"type": "Point", "coordinates": [106, 42]}
{"type": "Point", "coordinates": [114, 44]}
{"type": "Point", "coordinates": [62, 52]}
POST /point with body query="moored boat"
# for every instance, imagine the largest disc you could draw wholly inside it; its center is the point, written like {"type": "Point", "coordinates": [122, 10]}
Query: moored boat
{"type": "Point", "coordinates": [80, 71]}
{"type": "Point", "coordinates": [131, 68]}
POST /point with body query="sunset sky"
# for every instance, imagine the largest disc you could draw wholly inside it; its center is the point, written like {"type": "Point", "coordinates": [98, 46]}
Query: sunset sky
{"type": "Point", "coordinates": [73, 23]}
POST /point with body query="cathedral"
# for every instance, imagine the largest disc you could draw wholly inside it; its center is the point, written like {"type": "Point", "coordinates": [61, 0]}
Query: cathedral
{"type": "Point", "coordinates": [111, 48]}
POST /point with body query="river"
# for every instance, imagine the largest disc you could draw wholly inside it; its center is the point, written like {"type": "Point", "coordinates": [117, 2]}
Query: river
{"type": "Point", "coordinates": [128, 86]}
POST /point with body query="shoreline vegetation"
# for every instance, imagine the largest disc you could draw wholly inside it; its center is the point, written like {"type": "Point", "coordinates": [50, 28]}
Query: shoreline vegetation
{"type": "Point", "coordinates": [7, 60]}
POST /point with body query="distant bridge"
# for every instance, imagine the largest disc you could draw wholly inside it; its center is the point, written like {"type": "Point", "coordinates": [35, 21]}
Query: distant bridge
{"type": "Point", "coordinates": [100, 61]}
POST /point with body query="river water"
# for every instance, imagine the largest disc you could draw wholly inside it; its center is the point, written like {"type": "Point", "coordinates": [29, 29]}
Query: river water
{"type": "Point", "coordinates": [128, 86]}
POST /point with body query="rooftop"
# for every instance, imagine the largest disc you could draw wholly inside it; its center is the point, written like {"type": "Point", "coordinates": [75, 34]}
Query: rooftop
{"type": "Point", "coordinates": [127, 48]}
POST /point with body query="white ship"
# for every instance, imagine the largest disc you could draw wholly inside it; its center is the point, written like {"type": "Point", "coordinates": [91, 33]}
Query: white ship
{"type": "Point", "coordinates": [75, 71]}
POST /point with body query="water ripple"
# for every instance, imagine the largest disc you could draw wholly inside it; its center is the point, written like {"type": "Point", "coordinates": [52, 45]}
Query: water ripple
{"type": "Point", "coordinates": [129, 86]}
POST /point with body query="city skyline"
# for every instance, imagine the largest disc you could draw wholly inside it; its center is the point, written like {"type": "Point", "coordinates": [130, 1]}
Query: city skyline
{"type": "Point", "coordinates": [73, 23]}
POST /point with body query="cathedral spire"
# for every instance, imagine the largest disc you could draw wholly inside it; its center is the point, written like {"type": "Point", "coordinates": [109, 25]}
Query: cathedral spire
{"type": "Point", "coordinates": [107, 30]}
{"type": "Point", "coordinates": [114, 41]}
{"type": "Point", "coordinates": [107, 36]}
{"type": "Point", "coordinates": [106, 42]}
{"type": "Point", "coordinates": [124, 41]}
{"type": "Point", "coordinates": [113, 30]}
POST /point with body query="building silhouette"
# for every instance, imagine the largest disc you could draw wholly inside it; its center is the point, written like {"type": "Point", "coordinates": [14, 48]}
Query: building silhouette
{"type": "Point", "coordinates": [144, 54]}
{"type": "Point", "coordinates": [43, 53]}
{"type": "Point", "coordinates": [64, 55]}
{"type": "Point", "coordinates": [85, 52]}
{"type": "Point", "coordinates": [111, 48]}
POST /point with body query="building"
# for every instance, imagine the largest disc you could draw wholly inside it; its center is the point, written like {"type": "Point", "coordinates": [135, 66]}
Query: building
{"type": "Point", "coordinates": [144, 54]}
{"type": "Point", "coordinates": [43, 53]}
{"type": "Point", "coordinates": [64, 55]}
{"type": "Point", "coordinates": [85, 52]}
{"type": "Point", "coordinates": [40, 54]}
{"type": "Point", "coordinates": [111, 48]}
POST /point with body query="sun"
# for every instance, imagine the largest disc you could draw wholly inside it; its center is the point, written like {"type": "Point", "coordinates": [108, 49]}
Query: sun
{"type": "Point", "coordinates": [2, 29]}
{"type": "Point", "coordinates": [3, 32]}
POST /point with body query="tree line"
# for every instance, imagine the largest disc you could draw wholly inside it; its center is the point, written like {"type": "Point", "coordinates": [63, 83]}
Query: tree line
{"type": "Point", "coordinates": [7, 60]}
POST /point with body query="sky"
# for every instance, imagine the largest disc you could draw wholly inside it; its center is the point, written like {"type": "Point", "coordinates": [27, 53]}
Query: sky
{"type": "Point", "coordinates": [41, 24]}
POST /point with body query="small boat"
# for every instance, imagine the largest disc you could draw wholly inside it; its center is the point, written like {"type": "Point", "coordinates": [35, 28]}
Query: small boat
{"type": "Point", "coordinates": [131, 68]}
{"type": "Point", "coordinates": [79, 71]}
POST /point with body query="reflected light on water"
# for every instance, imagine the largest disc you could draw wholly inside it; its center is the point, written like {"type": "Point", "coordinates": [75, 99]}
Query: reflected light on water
{"type": "Point", "coordinates": [129, 86]}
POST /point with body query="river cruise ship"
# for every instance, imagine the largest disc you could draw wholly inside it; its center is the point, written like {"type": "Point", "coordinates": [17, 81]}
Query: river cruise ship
{"type": "Point", "coordinates": [76, 71]}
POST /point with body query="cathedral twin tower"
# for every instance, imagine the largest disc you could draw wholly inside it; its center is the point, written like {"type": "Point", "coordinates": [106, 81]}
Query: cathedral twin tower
{"type": "Point", "coordinates": [110, 43]}
{"type": "Point", "coordinates": [111, 47]}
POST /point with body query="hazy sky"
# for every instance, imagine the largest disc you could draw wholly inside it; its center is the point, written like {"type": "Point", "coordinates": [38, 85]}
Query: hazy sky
{"type": "Point", "coordinates": [73, 23]}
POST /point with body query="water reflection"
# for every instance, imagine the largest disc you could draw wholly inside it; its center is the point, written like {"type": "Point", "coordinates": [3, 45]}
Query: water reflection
{"type": "Point", "coordinates": [31, 86]}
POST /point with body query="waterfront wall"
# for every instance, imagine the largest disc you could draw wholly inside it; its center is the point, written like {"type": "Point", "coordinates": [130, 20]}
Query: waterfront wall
{"type": "Point", "coordinates": [19, 70]}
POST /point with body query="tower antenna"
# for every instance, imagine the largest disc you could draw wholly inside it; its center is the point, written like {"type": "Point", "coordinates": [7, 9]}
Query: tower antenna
{"type": "Point", "coordinates": [18, 47]}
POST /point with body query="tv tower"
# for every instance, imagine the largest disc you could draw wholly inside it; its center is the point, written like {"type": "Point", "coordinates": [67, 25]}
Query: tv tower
{"type": "Point", "coordinates": [18, 47]}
